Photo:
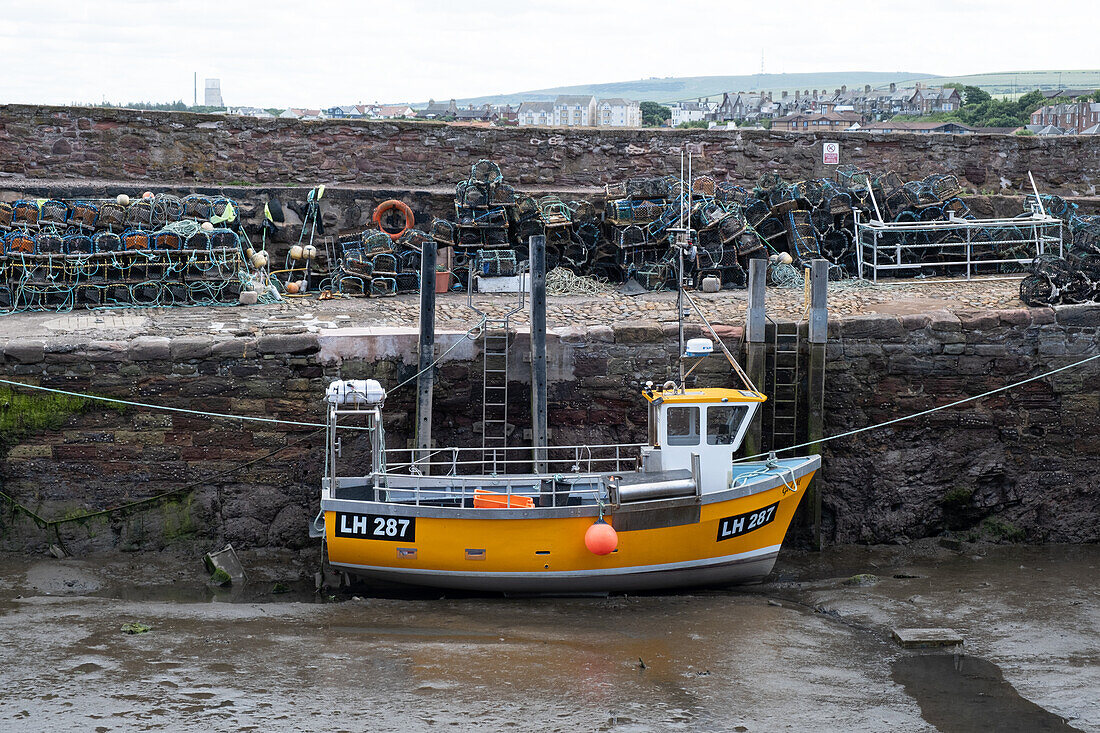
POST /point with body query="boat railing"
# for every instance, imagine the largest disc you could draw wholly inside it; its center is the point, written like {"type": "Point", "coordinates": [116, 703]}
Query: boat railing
{"type": "Point", "coordinates": [526, 460]}
{"type": "Point", "coordinates": [463, 490]}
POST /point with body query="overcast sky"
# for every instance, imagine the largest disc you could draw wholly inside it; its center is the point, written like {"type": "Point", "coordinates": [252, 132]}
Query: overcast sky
{"type": "Point", "coordinates": [311, 53]}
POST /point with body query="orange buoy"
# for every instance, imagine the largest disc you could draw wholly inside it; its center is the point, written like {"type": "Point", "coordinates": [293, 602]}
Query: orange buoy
{"type": "Point", "coordinates": [601, 538]}
{"type": "Point", "coordinates": [401, 206]}
{"type": "Point", "coordinates": [147, 195]}
{"type": "Point", "coordinates": [292, 287]}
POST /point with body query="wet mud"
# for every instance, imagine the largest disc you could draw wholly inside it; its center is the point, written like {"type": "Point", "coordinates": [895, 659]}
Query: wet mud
{"type": "Point", "coordinates": [809, 650]}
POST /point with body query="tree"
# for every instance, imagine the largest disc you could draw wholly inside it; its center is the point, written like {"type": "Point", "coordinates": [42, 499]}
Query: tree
{"type": "Point", "coordinates": [974, 95]}
{"type": "Point", "coordinates": [655, 114]}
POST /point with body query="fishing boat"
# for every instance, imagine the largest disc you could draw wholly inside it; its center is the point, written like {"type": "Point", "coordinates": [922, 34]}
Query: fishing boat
{"type": "Point", "coordinates": [678, 510]}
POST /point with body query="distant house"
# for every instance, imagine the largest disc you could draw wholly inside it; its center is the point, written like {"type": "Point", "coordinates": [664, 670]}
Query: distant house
{"type": "Point", "coordinates": [950, 128]}
{"type": "Point", "coordinates": [813, 122]}
{"type": "Point", "coordinates": [683, 112]}
{"type": "Point", "coordinates": [484, 113]}
{"type": "Point", "coordinates": [388, 111]}
{"type": "Point", "coordinates": [345, 112]}
{"type": "Point", "coordinates": [618, 113]}
{"type": "Point", "coordinates": [438, 110]}
{"type": "Point", "coordinates": [1073, 117]}
{"type": "Point", "coordinates": [298, 113]}
{"type": "Point", "coordinates": [575, 110]}
{"type": "Point", "coordinates": [249, 112]}
{"type": "Point", "coordinates": [507, 114]}
{"type": "Point", "coordinates": [536, 113]}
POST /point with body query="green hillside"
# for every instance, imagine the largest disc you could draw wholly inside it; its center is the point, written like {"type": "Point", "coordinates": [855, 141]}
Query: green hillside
{"type": "Point", "coordinates": [1010, 82]}
{"type": "Point", "coordinates": [687, 88]}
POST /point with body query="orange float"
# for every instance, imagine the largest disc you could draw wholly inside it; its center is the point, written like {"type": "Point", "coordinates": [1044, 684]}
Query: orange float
{"type": "Point", "coordinates": [401, 206]}
{"type": "Point", "coordinates": [601, 538]}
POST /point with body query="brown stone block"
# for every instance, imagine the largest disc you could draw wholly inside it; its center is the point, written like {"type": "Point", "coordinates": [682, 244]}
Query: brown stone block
{"type": "Point", "coordinates": [637, 332]}
{"type": "Point", "coordinates": [978, 320]}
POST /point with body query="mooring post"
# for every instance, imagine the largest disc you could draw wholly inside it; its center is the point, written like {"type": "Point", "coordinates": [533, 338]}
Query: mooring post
{"type": "Point", "coordinates": [537, 259]}
{"type": "Point", "coordinates": [754, 343]}
{"type": "Point", "coordinates": [426, 378]}
{"type": "Point", "coordinates": [815, 424]}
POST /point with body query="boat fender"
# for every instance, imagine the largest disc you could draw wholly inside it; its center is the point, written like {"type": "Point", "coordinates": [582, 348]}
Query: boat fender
{"type": "Point", "coordinates": [401, 206]}
{"type": "Point", "coordinates": [601, 538]}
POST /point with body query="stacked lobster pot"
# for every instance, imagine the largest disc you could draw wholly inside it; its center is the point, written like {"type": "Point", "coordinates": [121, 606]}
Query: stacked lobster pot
{"type": "Point", "coordinates": [1074, 278]}
{"type": "Point", "coordinates": [637, 215]}
{"type": "Point", "coordinates": [483, 221]}
{"type": "Point", "coordinates": [375, 263]}
{"type": "Point", "coordinates": [156, 250]}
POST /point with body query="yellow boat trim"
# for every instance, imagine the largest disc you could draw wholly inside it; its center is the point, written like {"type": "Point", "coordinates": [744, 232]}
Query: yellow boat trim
{"type": "Point", "coordinates": [705, 395]}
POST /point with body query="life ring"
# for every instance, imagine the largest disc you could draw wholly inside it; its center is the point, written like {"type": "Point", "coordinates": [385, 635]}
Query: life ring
{"type": "Point", "coordinates": [385, 206]}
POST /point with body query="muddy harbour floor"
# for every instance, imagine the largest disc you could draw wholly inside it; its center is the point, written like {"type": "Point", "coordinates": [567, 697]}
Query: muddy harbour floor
{"type": "Point", "coordinates": [810, 649]}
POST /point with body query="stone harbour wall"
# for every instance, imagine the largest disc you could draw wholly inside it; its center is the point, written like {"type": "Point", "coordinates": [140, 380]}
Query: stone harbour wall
{"type": "Point", "coordinates": [1019, 465]}
{"type": "Point", "coordinates": [71, 143]}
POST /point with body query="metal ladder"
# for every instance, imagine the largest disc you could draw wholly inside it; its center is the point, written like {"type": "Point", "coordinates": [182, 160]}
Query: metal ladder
{"type": "Point", "coordinates": [496, 338]}
{"type": "Point", "coordinates": [785, 377]}
{"type": "Point", "coordinates": [494, 390]}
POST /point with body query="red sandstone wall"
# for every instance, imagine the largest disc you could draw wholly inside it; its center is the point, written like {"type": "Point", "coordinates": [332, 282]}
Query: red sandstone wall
{"type": "Point", "coordinates": [67, 143]}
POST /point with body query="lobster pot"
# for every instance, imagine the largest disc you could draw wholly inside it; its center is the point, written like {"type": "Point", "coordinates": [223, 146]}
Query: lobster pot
{"type": "Point", "coordinates": [443, 232]}
{"type": "Point", "coordinates": [583, 211]}
{"type": "Point", "coordinates": [84, 215]}
{"type": "Point", "coordinates": [197, 208]}
{"type": "Point", "coordinates": [731, 227]}
{"type": "Point", "coordinates": [726, 192]}
{"type": "Point", "coordinates": [734, 277]}
{"type": "Point", "coordinates": [166, 209]}
{"type": "Point", "coordinates": [652, 276]}
{"type": "Point", "coordinates": [25, 214]}
{"type": "Point", "coordinates": [407, 282]}
{"type": "Point", "coordinates": [5, 215]}
{"type": "Point", "coordinates": [106, 242]}
{"type": "Point", "coordinates": [526, 208]}
{"type": "Point", "coordinates": [112, 217]}
{"type": "Point", "coordinates": [502, 194]}
{"type": "Point", "coordinates": [486, 171]}
{"type": "Point", "coordinates": [197, 240]}
{"type": "Point", "coordinates": [220, 207]}
{"type": "Point", "coordinates": [408, 261]}
{"type": "Point", "coordinates": [78, 244]}
{"type": "Point", "coordinates": [497, 263]}
{"type": "Point", "coordinates": [135, 239]}
{"type": "Point", "coordinates": [166, 240]}
{"type": "Point", "coordinates": [413, 240]}
{"type": "Point", "coordinates": [810, 192]}
{"type": "Point", "coordinates": [756, 212]}
{"type": "Point", "coordinates": [48, 243]}
{"type": "Point", "coordinates": [19, 242]}
{"type": "Point", "coordinates": [900, 200]}
{"type": "Point", "coordinates": [588, 234]}
{"type": "Point", "coordinates": [956, 207]}
{"type": "Point", "coordinates": [382, 286]}
{"type": "Point", "coordinates": [147, 293]}
{"type": "Point", "coordinates": [377, 242]}
{"type": "Point", "coordinates": [703, 186]}
{"type": "Point", "coordinates": [496, 238]}
{"type": "Point", "coordinates": [944, 186]}
{"type": "Point", "coordinates": [647, 188]}
{"type": "Point", "coordinates": [224, 239]}
{"type": "Point", "coordinates": [771, 228]}
{"type": "Point", "coordinates": [139, 215]}
{"type": "Point", "coordinates": [803, 238]}
{"type": "Point", "coordinates": [575, 257]}
{"type": "Point", "coordinates": [472, 193]}
{"type": "Point", "coordinates": [384, 264]}
{"type": "Point", "coordinates": [54, 213]}
{"type": "Point", "coordinates": [497, 217]}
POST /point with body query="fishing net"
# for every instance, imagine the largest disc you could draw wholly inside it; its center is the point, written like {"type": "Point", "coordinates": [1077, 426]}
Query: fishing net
{"type": "Point", "coordinates": [166, 209]}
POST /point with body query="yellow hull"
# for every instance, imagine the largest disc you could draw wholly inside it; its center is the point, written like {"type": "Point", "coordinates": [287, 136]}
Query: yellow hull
{"type": "Point", "coordinates": [549, 554]}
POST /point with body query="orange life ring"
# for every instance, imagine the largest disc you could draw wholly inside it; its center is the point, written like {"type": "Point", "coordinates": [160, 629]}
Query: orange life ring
{"type": "Point", "coordinates": [393, 204]}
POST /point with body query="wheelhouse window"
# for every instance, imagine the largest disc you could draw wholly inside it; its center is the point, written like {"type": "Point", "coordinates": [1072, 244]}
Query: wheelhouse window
{"type": "Point", "coordinates": [723, 422]}
{"type": "Point", "coordinates": [683, 425]}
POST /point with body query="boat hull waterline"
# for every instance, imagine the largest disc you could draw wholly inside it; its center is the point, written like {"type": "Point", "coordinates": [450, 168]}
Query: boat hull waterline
{"type": "Point", "coordinates": [735, 540]}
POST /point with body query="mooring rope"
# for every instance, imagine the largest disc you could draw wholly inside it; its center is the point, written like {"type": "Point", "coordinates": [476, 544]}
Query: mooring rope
{"type": "Point", "coordinates": [922, 413]}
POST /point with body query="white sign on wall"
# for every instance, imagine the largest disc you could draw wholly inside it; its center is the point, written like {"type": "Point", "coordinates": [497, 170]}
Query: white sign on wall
{"type": "Point", "coordinates": [830, 153]}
